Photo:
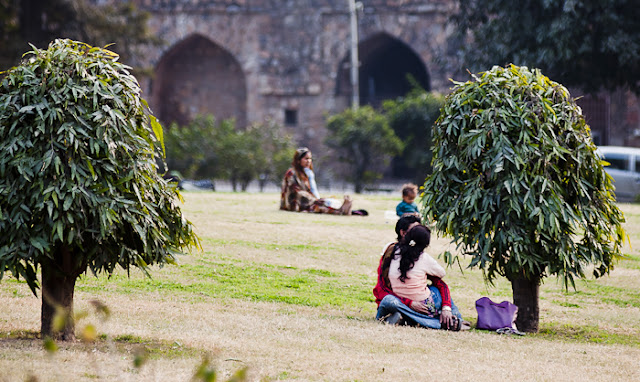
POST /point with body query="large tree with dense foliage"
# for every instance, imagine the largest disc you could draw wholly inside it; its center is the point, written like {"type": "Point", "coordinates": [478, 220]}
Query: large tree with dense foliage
{"type": "Point", "coordinates": [79, 184]}
{"type": "Point", "coordinates": [411, 118]}
{"type": "Point", "coordinates": [518, 185]}
{"type": "Point", "coordinates": [364, 141]}
{"type": "Point", "coordinates": [38, 22]}
{"type": "Point", "coordinates": [592, 44]}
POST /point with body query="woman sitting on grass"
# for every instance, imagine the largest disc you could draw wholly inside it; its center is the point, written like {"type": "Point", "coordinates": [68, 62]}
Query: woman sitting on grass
{"type": "Point", "coordinates": [404, 293]}
{"type": "Point", "coordinates": [300, 193]}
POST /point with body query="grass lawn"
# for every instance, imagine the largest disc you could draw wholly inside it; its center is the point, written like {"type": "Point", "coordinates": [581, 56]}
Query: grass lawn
{"type": "Point", "coordinates": [288, 295]}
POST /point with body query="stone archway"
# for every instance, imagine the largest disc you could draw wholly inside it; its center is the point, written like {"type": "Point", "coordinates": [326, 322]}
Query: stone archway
{"type": "Point", "coordinates": [385, 64]}
{"type": "Point", "coordinates": [197, 76]}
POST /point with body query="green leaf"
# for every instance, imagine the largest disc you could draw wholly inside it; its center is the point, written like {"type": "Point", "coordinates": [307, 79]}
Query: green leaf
{"type": "Point", "coordinates": [157, 130]}
{"type": "Point", "coordinates": [50, 345]}
{"type": "Point", "coordinates": [59, 228]}
{"type": "Point", "coordinates": [68, 200]}
{"type": "Point", "coordinates": [26, 109]}
{"type": "Point", "coordinates": [93, 172]}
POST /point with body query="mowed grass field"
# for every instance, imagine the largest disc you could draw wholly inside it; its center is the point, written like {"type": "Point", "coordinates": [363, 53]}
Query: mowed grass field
{"type": "Point", "coordinates": [288, 296]}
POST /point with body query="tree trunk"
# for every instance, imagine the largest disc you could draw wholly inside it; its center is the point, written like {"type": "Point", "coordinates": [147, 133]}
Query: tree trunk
{"type": "Point", "coordinates": [244, 184]}
{"type": "Point", "coordinates": [58, 283]}
{"type": "Point", "coordinates": [526, 293]}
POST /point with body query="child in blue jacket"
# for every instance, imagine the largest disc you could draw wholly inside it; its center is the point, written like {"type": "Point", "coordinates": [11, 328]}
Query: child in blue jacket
{"type": "Point", "coordinates": [408, 204]}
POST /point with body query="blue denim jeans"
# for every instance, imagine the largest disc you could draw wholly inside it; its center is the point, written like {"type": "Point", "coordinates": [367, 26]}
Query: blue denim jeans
{"type": "Point", "coordinates": [391, 304]}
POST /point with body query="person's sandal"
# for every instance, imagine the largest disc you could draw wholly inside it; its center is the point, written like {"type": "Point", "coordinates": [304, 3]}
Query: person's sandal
{"type": "Point", "coordinates": [508, 330]}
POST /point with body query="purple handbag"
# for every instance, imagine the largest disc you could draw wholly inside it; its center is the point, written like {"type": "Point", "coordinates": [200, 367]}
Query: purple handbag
{"type": "Point", "coordinates": [493, 316]}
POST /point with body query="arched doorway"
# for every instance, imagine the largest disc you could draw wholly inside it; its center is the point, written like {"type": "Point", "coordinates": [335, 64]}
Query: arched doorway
{"type": "Point", "coordinates": [197, 76]}
{"type": "Point", "coordinates": [385, 64]}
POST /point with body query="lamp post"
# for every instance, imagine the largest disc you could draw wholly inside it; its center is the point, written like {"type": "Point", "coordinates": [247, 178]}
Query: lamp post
{"type": "Point", "coordinates": [355, 87]}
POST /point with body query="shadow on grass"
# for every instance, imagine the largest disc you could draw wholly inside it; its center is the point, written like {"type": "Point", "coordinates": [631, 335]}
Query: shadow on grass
{"type": "Point", "coordinates": [123, 344]}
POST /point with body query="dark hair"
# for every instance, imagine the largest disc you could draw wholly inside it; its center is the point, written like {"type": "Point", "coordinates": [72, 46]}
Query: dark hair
{"type": "Point", "coordinates": [295, 163]}
{"type": "Point", "coordinates": [409, 188]}
{"type": "Point", "coordinates": [404, 222]}
{"type": "Point", "coordinates": [410, 248]}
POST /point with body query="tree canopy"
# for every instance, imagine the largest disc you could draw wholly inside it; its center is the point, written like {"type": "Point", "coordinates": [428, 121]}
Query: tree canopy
{"type": "Point", "coordinates": [591, 44]}
{"type": "Point", "coordinates": [79, 182]}
{"type": "Point", "coordinates": [364, 141]}
{"type": "Point", "coordinates": [411, 118]}
{"type": "Point", "coordinates": [517, 182]}
{"type": "Point", "coordinates": [206, 148]}
{"type": "Point", "coordinates": [39, 22]}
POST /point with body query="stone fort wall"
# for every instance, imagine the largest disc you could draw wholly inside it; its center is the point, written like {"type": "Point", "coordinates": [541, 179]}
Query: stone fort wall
{"type": "Point", "coordinates": [288, 59]}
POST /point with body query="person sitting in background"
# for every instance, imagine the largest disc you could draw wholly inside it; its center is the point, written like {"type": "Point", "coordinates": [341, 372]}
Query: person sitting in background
{"type": "Point", "coordinates": [408, 204]}
{"type": "Point", "coordinates": [300, 192]}
{"type": "Point", "coordinates": [394, 309]}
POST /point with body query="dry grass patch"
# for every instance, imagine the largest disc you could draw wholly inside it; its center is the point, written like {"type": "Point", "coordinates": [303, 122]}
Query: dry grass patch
{"type": "Point", "coordinates": [289, 296]}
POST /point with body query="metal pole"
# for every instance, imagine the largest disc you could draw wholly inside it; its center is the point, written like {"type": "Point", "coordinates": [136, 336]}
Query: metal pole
{"type": "Point", "coordinates": [355, 87]}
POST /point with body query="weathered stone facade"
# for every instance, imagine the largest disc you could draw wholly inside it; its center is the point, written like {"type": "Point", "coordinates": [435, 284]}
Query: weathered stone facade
{"type": "Point", "coordinates": [288, 60]}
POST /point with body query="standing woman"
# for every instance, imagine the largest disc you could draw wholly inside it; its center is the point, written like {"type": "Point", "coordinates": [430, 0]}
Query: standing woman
{"type": "Point", "coordinates": [299, 190]}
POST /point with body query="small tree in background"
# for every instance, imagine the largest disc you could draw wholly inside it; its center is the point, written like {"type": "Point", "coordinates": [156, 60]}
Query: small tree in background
{"type": "Point", "coordinates": [79, 183]}
{"type": "Point", "coordinates": [519, 186]}
{"type": "Point", "coordinates": [259, 151]}
{"type": "Point", "coordinates": [236, 150]}
{"type": "Point", "coordinates": [364, 141]}
{"type": "Point", "coordinates": [411, 118]}
{"type": "Point", "coordinates": [191, 149]}
{"type": "Point", "coordinates": [274, 151]}
{"type": "Point", "coordinates": [206, 149]}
